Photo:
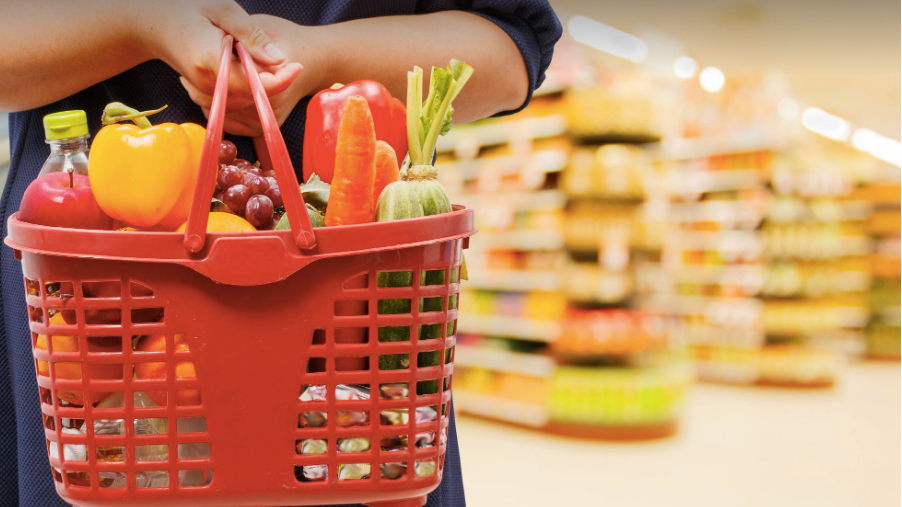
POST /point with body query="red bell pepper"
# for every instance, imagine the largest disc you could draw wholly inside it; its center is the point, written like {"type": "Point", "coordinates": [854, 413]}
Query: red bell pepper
{"type": "Point", "coordinates": [324, 113]}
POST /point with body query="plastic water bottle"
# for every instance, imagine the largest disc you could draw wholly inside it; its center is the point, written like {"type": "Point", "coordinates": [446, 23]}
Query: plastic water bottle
{"type": "Point", "coordinates": [67, 134]}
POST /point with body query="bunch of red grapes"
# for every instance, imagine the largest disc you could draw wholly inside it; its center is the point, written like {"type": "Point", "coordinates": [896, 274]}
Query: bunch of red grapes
{"type": "Point", "coordinates": [246, 189]}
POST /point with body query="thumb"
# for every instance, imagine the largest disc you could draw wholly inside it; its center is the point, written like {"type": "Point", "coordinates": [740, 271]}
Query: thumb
{"type": "Point", "coordinates": [245, 29]}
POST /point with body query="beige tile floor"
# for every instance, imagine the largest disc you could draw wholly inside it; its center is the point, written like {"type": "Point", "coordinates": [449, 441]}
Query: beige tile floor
{"type": "Point", "coordinates": [739, 446]}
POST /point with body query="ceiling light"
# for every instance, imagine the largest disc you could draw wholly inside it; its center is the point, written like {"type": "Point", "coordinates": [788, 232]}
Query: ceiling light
{"type": "Point", "coordinates": [685, 67]}
{"type": "Point", "coordinates": [884, 148]}
{"type": "Point", "coordinates": [712, 79]}
{"type": "Point", "coordinates": [607, 38]}
{"type": "Point", "coordinates": [864, 139]}
{"type": "Point", "coordinates": [826, 124]}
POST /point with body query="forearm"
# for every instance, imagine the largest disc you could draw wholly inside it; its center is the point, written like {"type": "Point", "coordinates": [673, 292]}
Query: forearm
{"type": "Point", "coordinates": [385, 48]}
{"type": "Point", "coordinates": [53, 49]}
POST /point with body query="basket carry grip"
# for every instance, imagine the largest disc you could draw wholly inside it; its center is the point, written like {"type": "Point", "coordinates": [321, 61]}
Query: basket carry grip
{"type": "Point", "coordinates": [196, 230]}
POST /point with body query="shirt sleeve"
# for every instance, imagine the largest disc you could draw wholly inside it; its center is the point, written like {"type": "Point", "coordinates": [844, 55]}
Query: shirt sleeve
{"type": "Point", "coordinates": [531, 24]}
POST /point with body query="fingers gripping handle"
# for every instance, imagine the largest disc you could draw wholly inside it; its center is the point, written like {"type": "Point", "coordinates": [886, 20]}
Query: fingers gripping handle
{"type": "Point", "coordinates": [301, 228]}
{"type": "Point", "coordinates": [196, 230]}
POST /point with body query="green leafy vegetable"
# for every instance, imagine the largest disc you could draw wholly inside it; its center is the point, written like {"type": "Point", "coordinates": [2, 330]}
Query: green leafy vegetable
{"type": "Point", "coordinates": [428, 120]}
{"type": "Point", "coordinates": [316, 193]}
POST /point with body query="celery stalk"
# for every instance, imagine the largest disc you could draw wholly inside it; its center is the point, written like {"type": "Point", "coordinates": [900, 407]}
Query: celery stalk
{"type": "Point", "coordinates": [428, 120]}
{"type": "Point", "coordinates": [413, 120]}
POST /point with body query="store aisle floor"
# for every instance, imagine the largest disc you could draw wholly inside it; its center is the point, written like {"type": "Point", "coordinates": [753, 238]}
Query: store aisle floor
{"type": "Point", "coordinates": [738, 446]}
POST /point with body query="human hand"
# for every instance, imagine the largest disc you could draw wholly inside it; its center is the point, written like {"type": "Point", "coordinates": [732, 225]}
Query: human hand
{"type": "Point", "coordinates": [295, 41]}
{"type": "Point", "coordinates": [188, 36]}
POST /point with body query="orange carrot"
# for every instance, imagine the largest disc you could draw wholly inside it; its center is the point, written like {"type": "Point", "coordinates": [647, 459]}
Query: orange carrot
{"type": "Point", "coordinates": [351, 195]}
{"type": "Point", "coordinates": [386, 168]}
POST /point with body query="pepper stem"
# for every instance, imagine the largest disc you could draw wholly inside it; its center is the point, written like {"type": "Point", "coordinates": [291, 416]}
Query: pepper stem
{"type": "Point", "coordinates": [115, 112]}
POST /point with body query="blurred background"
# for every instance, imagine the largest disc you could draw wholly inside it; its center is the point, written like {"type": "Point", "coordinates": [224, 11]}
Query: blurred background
{"type": "Point", "coordinates": [685, 289]}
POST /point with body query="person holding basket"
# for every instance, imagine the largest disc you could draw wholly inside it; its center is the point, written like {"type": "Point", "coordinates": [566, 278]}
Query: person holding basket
{"type": "Point", "coordinates": [82, 55]}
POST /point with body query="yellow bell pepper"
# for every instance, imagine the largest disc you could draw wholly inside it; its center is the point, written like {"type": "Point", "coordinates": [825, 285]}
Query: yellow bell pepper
{"type": "Point", "coordinates": [179, 213]}
{"type": "Point", "coordinates": [143, 174]}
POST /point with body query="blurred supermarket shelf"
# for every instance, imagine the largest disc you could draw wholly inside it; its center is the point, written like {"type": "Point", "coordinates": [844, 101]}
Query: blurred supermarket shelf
{"type": "Point", "coordinates": [494, 132]}
{"type": "Point", "coordinates": [544, 161]}
{"type": "Point", "coordinates": [519, 240]}
{"type": "Point", "coordinates": [890, 315]}
{"type": "Point", "coordinates": [738, 274]}
{"type": "Point", "coordinates": [743, 211]}
{"type": "Point", "coordinates": [711, 146]}
{"type": "Point", "coordinates": [715, 307]}
{"type": "Point", "coordinates": [500, 409]}
{"type": "Point", "coordinates": [725, 241]}
{"type": "Point", "coordinates": [511, 202]}
{"type": "Point", "coordinates": [511, 327]}
{"type": "Point", "coordinates": [698, 181]}
{"type": "Point", "coordinates": [513, 280]}
{"type": "Point", "coordinates": [531, 365]}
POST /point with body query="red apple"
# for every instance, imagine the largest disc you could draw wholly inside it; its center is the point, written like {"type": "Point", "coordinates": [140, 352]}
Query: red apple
{"type": "Point", "coordinates": [62, 199]}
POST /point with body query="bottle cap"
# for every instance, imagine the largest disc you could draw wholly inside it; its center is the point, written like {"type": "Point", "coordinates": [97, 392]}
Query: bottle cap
{"type": "Point", "coordinates": [66, 125]}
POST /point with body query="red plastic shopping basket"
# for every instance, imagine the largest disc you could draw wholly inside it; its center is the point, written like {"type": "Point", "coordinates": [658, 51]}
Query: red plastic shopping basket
{"type": "Point", "coordinates": [296, 400]}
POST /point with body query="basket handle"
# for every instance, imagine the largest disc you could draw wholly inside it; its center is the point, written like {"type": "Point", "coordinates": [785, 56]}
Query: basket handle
{"type": "Point", "coordinates": [196, 230]}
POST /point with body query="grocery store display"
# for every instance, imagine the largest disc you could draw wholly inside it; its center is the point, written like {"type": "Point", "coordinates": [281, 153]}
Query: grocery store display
{"type": "Point", "coordinates": [818, 278]}
{"type": "Point", "coordinates": [882, 335]}
{"type": "Point", "coordinates": [764, 262]}
{"type": "Point", "coordinates": [551, 342]}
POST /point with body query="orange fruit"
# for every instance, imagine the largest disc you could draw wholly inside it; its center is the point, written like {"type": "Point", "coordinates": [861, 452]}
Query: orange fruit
{"type": "Point", "coordinates": [224, 222]}
{"type": "Point", "coordinates": [72, 371]}
{"type": "Point", "coordinates": [157, 370]}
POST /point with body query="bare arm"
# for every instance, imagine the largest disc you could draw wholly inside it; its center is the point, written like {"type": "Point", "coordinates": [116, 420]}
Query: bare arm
{"type": "Point", "coordinates": [39, 68]}
{"type": "Point", "coordinates": [384, 49]}
{"type": "Point", "coordinates": [52, 49]}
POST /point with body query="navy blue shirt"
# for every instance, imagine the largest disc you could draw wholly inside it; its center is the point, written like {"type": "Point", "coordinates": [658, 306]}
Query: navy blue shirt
{"type": "Point", "coordinates": [25, 478]}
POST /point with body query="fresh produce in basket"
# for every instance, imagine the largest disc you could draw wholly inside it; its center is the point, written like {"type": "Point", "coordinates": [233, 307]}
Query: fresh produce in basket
{"type": "Point", "coordinates": [386, 168]}
{"type": "Point", "coordinates": [104, 290]}
{"type": "Point", "coordinates": [426, 121]}
{"type": "Point", "coordinates": [72, 371]}
{"type": "Point", "coordinates": [224, 222]}
{"type": "Point", "coordinates": [316, 193]}
{"type": "Point", "coordinates": [420, 194]}
{"type": "Point", "coordinates": [63, 199]}
{"type": "Point", "coordinates": [141, 174]}
{"type": "Point", "coordinates": [324, 115]}
{"type": "Point", "coordinates": [157, 370]}
{"type": "Point", "coordinates": [351, 193]}
{"type": "Point", "coordinates": [316, 219]}
{"type": "Point", "coordinates": [255, 197]}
